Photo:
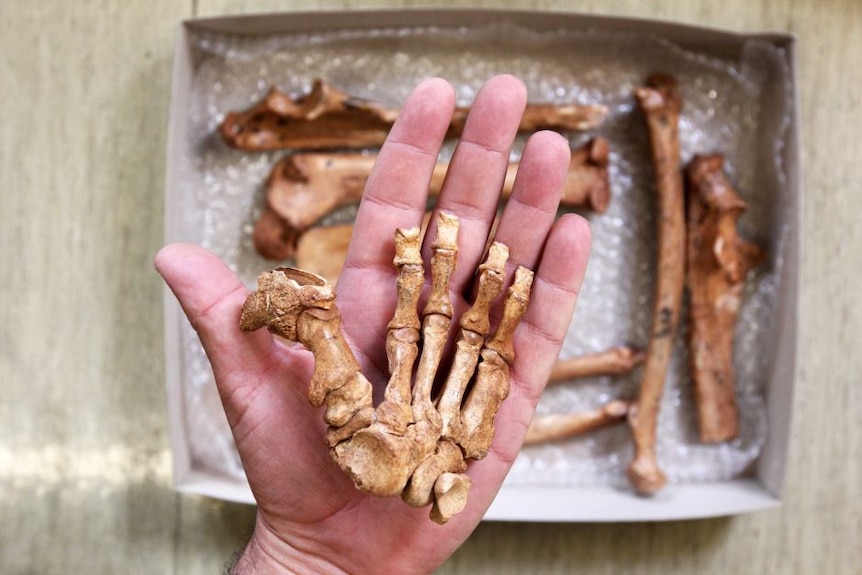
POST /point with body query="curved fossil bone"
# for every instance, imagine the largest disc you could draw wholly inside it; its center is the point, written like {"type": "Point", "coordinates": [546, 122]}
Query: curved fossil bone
{"type": "Point", "coordinates": [304, 187]}
{"type": "Point", "coordinates": [407, 445]}
{"type": "Point", "coordinates": [547, 428]}
{"type": "Point", "coordinates": [661, 103]}
{"type": "Point", "coordinates": [718, 260]}
{"type": "Point", "coordinates": [329, 118]}
{"type": "Point", "coordinates": [613, 361]}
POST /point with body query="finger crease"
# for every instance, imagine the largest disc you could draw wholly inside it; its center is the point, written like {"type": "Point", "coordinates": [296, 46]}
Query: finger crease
{"type": "Point", "coordinates": [370, 264]}
{"type": "Point", "coordinates": [207, 311]}
{"type": "Point", "coordinates": [465, 210]}
{"type": "Point", "coordinates": [486, 148]}
{"type": "Point", "coordinates": [539, 331]}
{"type": "Point", "coordinates": [411, 148]}
{"type": "Point", "coordinates": [515, 201]}
{"type": "Point", "coordinates": [565, 289]}
{"type": "Point", "coordinates": [392, 203]}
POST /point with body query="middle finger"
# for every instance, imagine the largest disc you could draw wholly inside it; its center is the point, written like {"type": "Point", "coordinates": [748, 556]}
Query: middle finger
{"type": "Point", "coordinates": [476, 173]}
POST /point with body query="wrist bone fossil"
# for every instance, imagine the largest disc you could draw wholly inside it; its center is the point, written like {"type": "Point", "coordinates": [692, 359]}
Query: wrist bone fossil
{"type": "Point", "coordinates": [409, 444]}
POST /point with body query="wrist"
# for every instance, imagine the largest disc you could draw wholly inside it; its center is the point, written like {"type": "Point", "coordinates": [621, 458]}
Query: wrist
{"type": "Point", "coordinates": [255, 560]}
{"type": "Point", "coordinates": [268, 554]}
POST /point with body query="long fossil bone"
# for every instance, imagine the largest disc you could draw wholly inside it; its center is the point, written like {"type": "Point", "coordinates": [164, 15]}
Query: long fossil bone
{"type": "Point", "coordinates": [718, 260]}
{"type": "Point", "coordinates": [407, 445]}
{"type": "Point", "coordinates": [661, 104]}
{"type": "Point", "coordinates": [613, 361]}
{"type": "Point", "coordinates": [304, 187]}
{"type": "Point", "coordinates": [329, 118]}
{"type": "Point", "coordinates": [546, 428]}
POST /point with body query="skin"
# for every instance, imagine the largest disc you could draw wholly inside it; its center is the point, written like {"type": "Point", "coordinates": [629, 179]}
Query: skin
{"type": "Point", "coordinates": [310, 517]}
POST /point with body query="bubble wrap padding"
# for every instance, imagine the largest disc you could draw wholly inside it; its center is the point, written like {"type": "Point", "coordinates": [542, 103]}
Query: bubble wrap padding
{"type": "Point", "coordinates": [739, 107]}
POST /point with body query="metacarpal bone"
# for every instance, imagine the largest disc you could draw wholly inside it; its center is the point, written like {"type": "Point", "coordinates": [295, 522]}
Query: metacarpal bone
{"type": "Point", "coordinates": [435, 325]}
{"type": "Point", "coordinates": [402, 337]}
{"type": "Point", "coordinates": [475, 325]}
{"type": "Point", "coordinates": [492, 378]}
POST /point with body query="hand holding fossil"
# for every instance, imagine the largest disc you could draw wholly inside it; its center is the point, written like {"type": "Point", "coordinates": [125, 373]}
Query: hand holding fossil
{"type": "Point", "coordinates": [309, 512]}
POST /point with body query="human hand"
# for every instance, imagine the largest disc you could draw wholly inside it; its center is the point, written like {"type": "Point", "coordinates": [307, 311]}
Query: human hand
{"type": "Point", "coordinates": [310, 516]}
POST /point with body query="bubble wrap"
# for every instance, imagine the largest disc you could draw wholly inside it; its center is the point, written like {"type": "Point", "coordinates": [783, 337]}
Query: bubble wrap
{"type": "Point", "coordinates": [739, 107]}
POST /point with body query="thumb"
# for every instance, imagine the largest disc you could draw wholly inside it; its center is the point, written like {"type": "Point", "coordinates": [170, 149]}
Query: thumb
{"type": "Point", "coordinates": [212, 297]}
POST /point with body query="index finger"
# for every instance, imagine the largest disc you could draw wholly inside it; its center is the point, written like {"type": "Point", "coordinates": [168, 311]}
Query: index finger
{"type": "Point", "coordinates": [397, 189]}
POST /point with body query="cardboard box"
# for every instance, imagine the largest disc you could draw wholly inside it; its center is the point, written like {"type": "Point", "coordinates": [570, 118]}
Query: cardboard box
{"type": "Point", "coordinates": [203, 190]}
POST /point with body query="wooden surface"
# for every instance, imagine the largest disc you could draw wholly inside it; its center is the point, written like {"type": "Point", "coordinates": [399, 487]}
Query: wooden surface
{"type": "Point", "coordinates": [84, 452]}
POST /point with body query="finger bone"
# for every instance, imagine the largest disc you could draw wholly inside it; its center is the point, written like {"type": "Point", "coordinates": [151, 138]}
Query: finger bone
{"type": "Point", "coordinates": [403, 331]}
{"type": "Point", "coordinates": [492, 379]}
{"type": "Point", "coordinates": [438, 315]}
{"type": "Point", "coordinates": [475, 325]}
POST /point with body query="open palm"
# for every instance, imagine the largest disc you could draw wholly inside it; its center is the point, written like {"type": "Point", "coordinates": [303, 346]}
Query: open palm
{"type": "Point", "coordinates": [310, 516]}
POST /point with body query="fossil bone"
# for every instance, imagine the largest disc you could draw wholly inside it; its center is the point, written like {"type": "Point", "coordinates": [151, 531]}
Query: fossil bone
{"type": "Point", "coordinates": [329, 118]}
{"type": "Point", "coordinates": [718, 260]}
{"type": "Point", "coordinates": [407, 445]}
{"type": "Point", "coordinates": [614, 361]}
{"type": "Point", "coordinates": [274, 238]}
{"type": "Point", "coordinates": [587, 182]}
{"type": "Point", "coordinates": [304, 187]}
{"type": "Point", "coordinates": [546, 428]}
{"type": "Point", "coordinates": [661, 104]}
{"type": "Point", "coordinates": [322, 250]}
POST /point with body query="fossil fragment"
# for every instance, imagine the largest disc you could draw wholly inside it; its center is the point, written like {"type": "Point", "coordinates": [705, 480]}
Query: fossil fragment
{"type": "Point", "coordinates": [322, 250]}
{"type": "Point", "coordinates": [661, 104]}
{"type": "Point", "coordinates": [304, 187]}
{"type": "Point", "coordinates": [329, 118]}
{"type": "Point", "coordinates": [546, 428]}
{"type": "Point", "coordinates": [718, 260]}
{"type": "Point", "coordinates": [411, 444]}
{"type": "Point", "coordinates": [587, 182]}
{"type": "Point", "coordinates": [613, 361]}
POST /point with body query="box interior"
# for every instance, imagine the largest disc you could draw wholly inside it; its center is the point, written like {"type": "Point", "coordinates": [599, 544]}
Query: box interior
{"type": "Point", "coordinates": [213, 196]}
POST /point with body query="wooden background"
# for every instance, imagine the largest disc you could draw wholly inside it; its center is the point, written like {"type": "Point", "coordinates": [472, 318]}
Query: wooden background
{"type": "Point", "coordinates": [84, 452]}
